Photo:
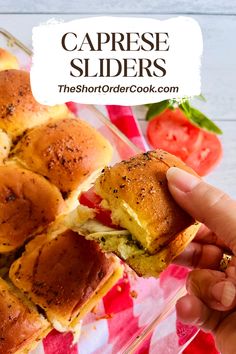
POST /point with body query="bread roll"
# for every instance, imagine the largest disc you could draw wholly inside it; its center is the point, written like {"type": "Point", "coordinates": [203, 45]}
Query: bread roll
{"type": "Point", "coordinates": [6, 259]}
{"type": "Point", "coordinates": [65, 275]}
{"type": "Point", "coordinates": [155, 228]}
{"type": "Point", "coordinates": [5, 146]}
{"type": "Point", "coordinates": [7, 60]}
{"type": "Point", "coordinates": [28, 203]}
{"type": "Point", "coordinates": [18, 109]}
{"type": "Point", "coordinates": [67, 152]}
{"type": "Point", "coordinates": [21, 326]}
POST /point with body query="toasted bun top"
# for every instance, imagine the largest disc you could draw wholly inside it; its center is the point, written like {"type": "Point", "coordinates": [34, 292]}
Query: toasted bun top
{"type": "Point", "coordinates": [7, 60]}
{"type": "Point", "coordinates": [18, 108]}
{"type": "Point", "coordinates": [28, 202]}
{"type": "Point", "coordinates": [66, 152]}
{"type": "Point", "coordinates": [20, 324]}
{"type": "Point", "coordinates": [61, 274]}
{"type": "Point", "coordinates": [136, 192]}
{"type": "Point", "coordinates": [5, 146]}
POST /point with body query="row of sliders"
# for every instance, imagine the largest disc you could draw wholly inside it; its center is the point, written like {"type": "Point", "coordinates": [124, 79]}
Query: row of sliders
{"type": "Point", "coordinates": [51, 277]}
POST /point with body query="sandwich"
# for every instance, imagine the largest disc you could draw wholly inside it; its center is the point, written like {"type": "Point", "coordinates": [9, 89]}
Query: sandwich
{"type": "Point", "coordinates": [19, 109]}
{"type": "Point", "coordinates": [148, 229]}
{"type": "Point", "coordinates": [65, 275]}
{"type": "Point", "coordinates": [68, 152]}
{"type": "Point", "coordinates": [28, 204]}
{"type": "Point", "coordinates": [21, 326]}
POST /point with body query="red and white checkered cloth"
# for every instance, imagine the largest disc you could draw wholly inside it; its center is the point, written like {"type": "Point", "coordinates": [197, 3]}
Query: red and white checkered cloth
{"type": "Point", "coordinates": [127, 309]}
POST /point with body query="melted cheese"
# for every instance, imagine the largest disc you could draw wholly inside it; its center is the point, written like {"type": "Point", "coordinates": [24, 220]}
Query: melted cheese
{"type": "Point", "coordinates": [131, 213]}
{"type": "Point", "coordinates": [111, 240]}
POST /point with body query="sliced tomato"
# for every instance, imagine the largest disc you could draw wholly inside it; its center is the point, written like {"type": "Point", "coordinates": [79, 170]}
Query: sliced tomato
{"type": "Point", "coordinates": [171, 131]}
{"type": "Point", "coordinates": [92, 200]}
{"type": "Point", "coordinates": [205, 158]}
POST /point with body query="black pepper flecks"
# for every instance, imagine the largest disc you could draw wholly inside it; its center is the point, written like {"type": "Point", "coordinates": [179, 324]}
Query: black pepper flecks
{"type": "Point", "coordinates": [10, 109]}
{"type": "Point", "coordinates": [11, 197]}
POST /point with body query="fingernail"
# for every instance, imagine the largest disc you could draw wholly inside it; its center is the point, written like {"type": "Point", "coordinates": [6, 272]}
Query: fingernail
{"type": "Point", "coordinates": [181, 179]}
{"type": "Point", "coordinates": [224, 292]}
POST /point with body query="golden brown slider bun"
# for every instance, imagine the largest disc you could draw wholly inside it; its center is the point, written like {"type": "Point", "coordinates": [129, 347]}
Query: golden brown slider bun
{"type": "Point", "coordinates": [7, 60]}
{"type": "Point", "coordinates": [18, 108]}
{"type": "Point", "coordinates": [5, 146]}
{"type": "Point", "coordinates": [6, 259]}
{"type": "Point", "coordinates": [66, 152]}
{"type": "Point", "coordinates": [65, 275]}
{"type": "Point", "coordinates": [28, 203]}
{"type": "Point", "coordinates": [21, 326]}
{"type": "Point", "coordinates": [136, 192]}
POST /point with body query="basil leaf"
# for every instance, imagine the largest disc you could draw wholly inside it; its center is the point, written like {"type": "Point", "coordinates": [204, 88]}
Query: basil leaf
{"type": "Point", "coordinates": [185, 107]}
{"type": "Point", "coordinates": [198, 118]}
{"type": "Point", "coordinates": [156, 108]}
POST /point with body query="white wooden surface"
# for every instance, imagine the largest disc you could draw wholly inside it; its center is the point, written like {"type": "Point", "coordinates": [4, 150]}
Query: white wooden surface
{"type": "Point", "coordinates": [119, 6]}
{"type": "Point", "coordinates": [218, 22]}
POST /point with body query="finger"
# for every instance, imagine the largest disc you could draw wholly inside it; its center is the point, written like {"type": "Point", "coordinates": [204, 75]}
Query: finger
{"type": "Point", "coordinates": [197, 255]}
{"type": "Point", "coordinates": [205, 235]}
{"type": "Point", "coordinates": [215, 289]}
{"type": "Point", "coordinates": [205, 203]}
{"type": "Point", "coordinates": [191, 310]}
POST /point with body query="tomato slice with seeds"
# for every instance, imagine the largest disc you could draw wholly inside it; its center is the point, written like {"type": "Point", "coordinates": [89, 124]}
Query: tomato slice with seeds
{"type": "Point", "coordinates": [205, 158]}
{"type": "Point", "coordinates": [172, 132]}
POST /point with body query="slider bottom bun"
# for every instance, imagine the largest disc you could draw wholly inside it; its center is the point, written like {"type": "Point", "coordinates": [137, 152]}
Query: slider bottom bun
{"type": "Point", "coordinates": [66, 275]}
{"type": "Point", "coordinates": [143, 263]}
{"type": "Point", "coordinates": [21, 326]}
{"type": "Point", "coordinates": [154, 229]}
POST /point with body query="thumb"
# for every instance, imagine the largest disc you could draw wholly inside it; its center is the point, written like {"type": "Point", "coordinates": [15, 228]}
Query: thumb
{"type": "Point", "coordinates": [205, 203]}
